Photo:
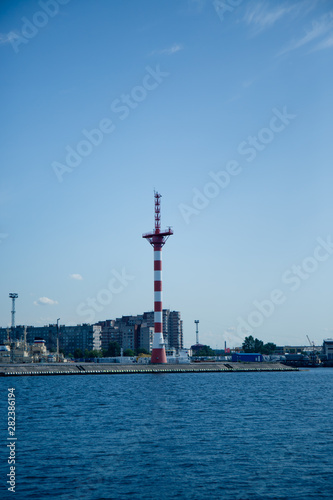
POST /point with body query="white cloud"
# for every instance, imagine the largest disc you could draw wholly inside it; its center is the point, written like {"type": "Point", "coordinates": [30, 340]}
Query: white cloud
{"type": "Point", "coordinates": [76, 276]}
{"type": "Point", "coordinates": [325, 44]}
{"type": "Point", "coordinates": [7, 37]}
{"type": "Point", "coordinates": [318, 29]}
{"type": "Point", "coordinates": [45, 301]}
{"type": "Point", "coordinates": [176, 47]}
{"type": "Point", "coordinates": [261, 17]}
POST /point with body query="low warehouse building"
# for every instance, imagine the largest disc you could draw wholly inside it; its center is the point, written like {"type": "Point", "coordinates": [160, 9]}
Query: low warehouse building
{"type": "Point", "coordinates": [247, 357]}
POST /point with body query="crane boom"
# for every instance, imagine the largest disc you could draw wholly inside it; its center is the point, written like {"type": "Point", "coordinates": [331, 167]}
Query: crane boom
{"type": "Point", "coordinates": [312, 344]}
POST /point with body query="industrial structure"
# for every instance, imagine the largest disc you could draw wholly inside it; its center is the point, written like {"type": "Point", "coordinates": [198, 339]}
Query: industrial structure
{"type": "Point", "coordinates": [13, 296]}
{"type": "Point", "coordinates": [196, 321]}
{"type": "Point", "coordinates": [157, 239]}
{"type": "Point", "coordinates": [20, 351]}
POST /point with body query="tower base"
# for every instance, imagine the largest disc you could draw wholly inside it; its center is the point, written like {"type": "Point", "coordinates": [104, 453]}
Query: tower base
{"type": "Point", "coordinates": [158, 356]}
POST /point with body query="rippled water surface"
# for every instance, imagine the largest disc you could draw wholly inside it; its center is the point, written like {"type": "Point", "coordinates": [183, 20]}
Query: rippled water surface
{"type": "Point", "coordinates": [241, 436]}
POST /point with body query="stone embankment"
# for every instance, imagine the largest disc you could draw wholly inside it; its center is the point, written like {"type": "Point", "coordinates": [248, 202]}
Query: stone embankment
{"type": "Point", "coordinates": [36, 369]}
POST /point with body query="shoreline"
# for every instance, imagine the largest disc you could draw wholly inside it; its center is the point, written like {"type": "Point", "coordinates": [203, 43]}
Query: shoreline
{"type": "Point", "coordinates": [52, 369]}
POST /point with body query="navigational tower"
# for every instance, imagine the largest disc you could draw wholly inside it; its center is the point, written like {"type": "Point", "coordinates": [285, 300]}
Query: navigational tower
{"type": "Point", "coordinates": [157, 239]}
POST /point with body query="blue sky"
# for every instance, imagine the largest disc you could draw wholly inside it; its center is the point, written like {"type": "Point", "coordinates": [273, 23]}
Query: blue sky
{"type": "Point", "coordinates": [223, 107]}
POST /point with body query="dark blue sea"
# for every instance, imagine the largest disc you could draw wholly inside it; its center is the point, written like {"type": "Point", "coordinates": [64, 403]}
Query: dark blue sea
{"type": "Point", "coordinates": [235, 436]}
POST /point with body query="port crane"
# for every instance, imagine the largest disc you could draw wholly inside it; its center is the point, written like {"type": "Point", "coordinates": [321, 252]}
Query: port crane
{"type": "Point", "coordinates": [313, 356]}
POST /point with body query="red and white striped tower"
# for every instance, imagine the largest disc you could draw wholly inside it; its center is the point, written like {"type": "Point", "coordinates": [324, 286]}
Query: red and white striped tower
{"type": "Point", "coordinates": [157, 239]}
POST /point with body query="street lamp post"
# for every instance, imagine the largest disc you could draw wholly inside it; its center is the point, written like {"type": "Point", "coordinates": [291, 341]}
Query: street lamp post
{"type": "Point", "coordinates": [58, 340]}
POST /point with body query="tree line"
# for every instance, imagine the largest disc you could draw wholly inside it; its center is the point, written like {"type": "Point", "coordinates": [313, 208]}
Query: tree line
{"type": "Point", "coordinates": [251, 344]}
{"type": "Point", "coordinates": [112, 351]}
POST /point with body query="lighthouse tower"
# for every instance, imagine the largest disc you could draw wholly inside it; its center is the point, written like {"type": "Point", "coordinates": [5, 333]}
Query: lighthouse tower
{"type": "Point", "coordinates": [157, 239]}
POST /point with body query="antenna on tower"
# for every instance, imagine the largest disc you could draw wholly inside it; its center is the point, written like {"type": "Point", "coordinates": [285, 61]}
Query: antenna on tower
{"type": "Point", "coordinates": [13, 296]}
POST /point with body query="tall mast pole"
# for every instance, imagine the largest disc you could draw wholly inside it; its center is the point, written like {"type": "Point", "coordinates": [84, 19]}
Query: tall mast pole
{"type": "Point", "coordinates": [13, 296]}
{"type": "Point", "coordinates": [196, 321]}
{"type": "Point", "coordinates": [58, 340]}
{"type": "Point", "coordinates": [157, 239]}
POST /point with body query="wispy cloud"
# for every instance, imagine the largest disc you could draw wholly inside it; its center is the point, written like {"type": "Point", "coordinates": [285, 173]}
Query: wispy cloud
{"type": "Point", "coordinates": [318, 29]}
{"type": "Point", "coordinates": [45, 301]}
{"type": "Point", "coordinates": [76, 276]}
{"type": "Point", "coordinates": [196, 5]}
{"type": "Point", "coordinates": [44, 320]}
{"type": "Point", "coordinates": [176, 47]}
{"type": "Point", "coordinates": [325, 44]}
{"type": "Point", "coordinates": [261, 17]}
{"type": "Point", "coordinates": [7, 37]}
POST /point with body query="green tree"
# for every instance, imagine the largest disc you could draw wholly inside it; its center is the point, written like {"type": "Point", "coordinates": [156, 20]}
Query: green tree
{"type": "Point", "coordinates": [129, 352]}
{"type": "Point", "coordinates": [141, 350]}
{"type": "Point", "coordinates": [205, 351]}
{"type": "Point", "coordinates": [251, 344]}
{"type": "Point", "coordinates": [113, 350]}
{"type": "Point", "coordinates": [78, 353]}
{"type": "Point", "coordinates": [248, 344]}
{"type": "Point", "coordinates": [258, 345]}
{"type": "Point", "coordinates": [95, 354]}
{"type": "Point", "coordinates": [268, 348]}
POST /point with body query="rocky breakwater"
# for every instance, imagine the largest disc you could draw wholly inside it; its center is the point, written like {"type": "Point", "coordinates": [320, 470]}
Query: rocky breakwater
{"type": "Point", "coordinates": [49, 369]}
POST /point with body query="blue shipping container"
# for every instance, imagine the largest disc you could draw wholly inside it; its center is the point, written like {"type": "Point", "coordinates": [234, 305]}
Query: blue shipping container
{"type": "Point", "coordinates": [247, 356]}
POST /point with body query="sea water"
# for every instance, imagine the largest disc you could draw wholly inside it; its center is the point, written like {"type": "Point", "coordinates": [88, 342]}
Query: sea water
{"type": "Point", "coordinates": [233, 436]}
